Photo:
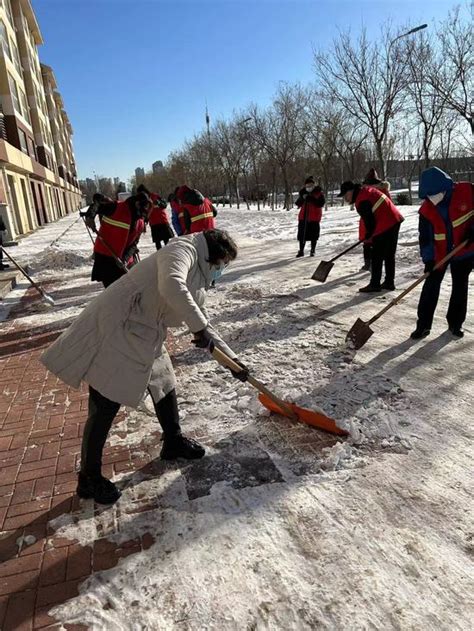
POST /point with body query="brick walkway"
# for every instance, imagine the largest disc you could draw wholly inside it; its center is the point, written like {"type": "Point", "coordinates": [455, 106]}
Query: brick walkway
{"type": "Point", "coordinates": [41, 422]}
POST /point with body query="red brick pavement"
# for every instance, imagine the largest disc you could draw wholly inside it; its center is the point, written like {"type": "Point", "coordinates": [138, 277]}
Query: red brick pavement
{"type": "Point", "coordinates": [41, 423]}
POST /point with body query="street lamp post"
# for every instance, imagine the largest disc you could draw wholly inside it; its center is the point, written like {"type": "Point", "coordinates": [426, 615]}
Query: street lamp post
{"type": "Point", "coordinates": [413, 30]}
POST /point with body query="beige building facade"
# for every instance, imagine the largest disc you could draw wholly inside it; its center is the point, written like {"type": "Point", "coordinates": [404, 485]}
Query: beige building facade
{"type": "Point", "coordinates": [38, 178]}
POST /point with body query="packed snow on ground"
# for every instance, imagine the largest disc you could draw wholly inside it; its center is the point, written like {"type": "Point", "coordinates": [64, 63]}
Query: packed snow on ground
{"type": "Point", "coordinates": [281, 526]}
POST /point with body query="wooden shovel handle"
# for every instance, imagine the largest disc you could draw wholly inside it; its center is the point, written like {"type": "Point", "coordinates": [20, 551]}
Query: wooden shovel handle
{"type": "Point", "coordinates": [228, 362]}
{"type": "Point", "coordinates": [351, 247]}
{"type": "Point", "coordinates": [419, 280]}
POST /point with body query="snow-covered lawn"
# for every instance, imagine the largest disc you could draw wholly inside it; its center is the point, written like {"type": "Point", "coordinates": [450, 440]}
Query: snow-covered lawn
{"type": "Point", "coordinates": [282, 526]}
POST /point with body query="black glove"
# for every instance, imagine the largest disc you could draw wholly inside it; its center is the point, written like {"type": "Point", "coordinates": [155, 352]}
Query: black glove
{"type": "Point", "coordinates": [429, 266]}
{"type": "Point", "coordinates": [132, 250]}
{"type": "Point", "coordinates": [162, 203]}
{"type": "Point", "coordinates": [203, 339]}
{"type": "Point", "coordinates": [243, 374]}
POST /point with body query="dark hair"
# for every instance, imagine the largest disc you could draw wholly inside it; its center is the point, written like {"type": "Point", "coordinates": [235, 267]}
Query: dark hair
{"type": "Point", "coordinates": [142, 189]}
{"type": "Point", "coordinates": [142, 199]}
{"type": "Point", "coordinates": [309, 180]}
{"type": "Point", "coordinates": [221, 245]}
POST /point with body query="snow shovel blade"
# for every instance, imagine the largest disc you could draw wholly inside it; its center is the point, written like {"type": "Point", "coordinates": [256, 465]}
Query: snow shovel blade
{"type": "Point", "coordinates": [316, 419]}
{"type": "Point", "coordinates": [359, 333]}
{"type": "Point", "coordinates": [322, 271]}
{"type": "Point", "coordinates": [47, 298]}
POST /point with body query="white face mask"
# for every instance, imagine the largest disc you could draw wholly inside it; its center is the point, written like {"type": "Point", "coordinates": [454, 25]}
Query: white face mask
{"type": "Point", "coordinates": [436, 199]}
{"type": "Point", "coordinates": [309, 189]}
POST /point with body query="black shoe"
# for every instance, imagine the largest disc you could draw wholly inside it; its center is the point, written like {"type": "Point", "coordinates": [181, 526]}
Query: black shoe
{"type": "Point", "coordinates": [456, 331]}
{"type": "Point", "coordinates": [388, 286]}
{"type": "Point", "coordinates": [420, 333]}
{"type": "Point", "coordinates": [311, 253]}
{"type": "Point", "coordinates": [103, 491]}
{"type": "Point", "coordinates": [368, 289]}
{"type": "Point", "coordinates": [300, 254]}
{"type": "Point", "coordinates": [365, 268]}
{"type": "Point", "coordinates": [181, 447]}
{"type": "Point", "coordinates": [4, 266]}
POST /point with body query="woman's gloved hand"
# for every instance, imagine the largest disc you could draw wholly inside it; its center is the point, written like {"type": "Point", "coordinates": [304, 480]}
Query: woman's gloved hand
{"type": "Point", "coordinates": [203, 339]}
{"type": "Point", "coordinates": [243, 374]}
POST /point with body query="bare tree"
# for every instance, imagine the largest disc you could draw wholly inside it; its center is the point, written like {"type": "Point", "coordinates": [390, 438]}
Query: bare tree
{"type": "Point", "coordinates": [277, 131]}
{"type": "Point", "coordinates": [366, 79]}
{"type": "Point", "coordinates": [425, 105]}
{"type": "Point", "coordinates": [451, 75]}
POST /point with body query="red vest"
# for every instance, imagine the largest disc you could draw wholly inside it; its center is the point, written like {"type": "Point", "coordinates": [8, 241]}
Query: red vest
{"type": "Point", "coordinates": [202, 216]}
{"type": "Point", "coordinates": [461, 216]}
{"type": "Point", "coordinates": [385, 212]}
{"type": "Point", "coordinates": [157, 216]}
{"type": "Point", "coordinates": [309, 211]}
{"type": "Point", "coordinates": [115, 230]}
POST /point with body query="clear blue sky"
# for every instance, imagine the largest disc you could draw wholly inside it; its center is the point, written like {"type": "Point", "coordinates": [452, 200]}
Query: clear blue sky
{"type": "Point", "coordinates": [135, 74]}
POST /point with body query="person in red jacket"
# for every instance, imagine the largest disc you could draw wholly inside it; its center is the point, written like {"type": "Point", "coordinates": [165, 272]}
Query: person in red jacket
{"type": "Point", "coordinates": [310, 201]}
{"type": "Point", "coordinates": [446, 221]}
{"type": "Point", "coordinates": [198, 213]}
{"type": "Point", "coordinates": [121, 225]}
{"type": "Point", "coordinates": [381, 226]}
{"type": "Point", "coordinates": [157, 218]}
{"type": "Point", "coordinates": [372, 179]}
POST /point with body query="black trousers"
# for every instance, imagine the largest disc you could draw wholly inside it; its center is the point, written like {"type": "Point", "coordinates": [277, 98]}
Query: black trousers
{"type": "Point", "coordinates": [308, 231]}
{"type": "Point", "coordinates": [384, 247]}
{"type": "Point", "coordinates": [367, 254]}
{"type": "Point", "coordinates": [102, 412]}
{"type": "Point", "coordinates": [457, 309]}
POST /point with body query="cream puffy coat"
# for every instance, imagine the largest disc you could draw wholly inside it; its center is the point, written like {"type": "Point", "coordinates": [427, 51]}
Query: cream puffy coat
{"type": "Point", "coordinates": [116, 345]}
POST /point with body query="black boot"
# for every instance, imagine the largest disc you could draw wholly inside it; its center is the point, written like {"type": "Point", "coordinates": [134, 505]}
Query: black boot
{"type": "Point", "coordinates": [181, 447]}
{"type": "Point", "coordinates": [311, 253]}
{"type": "Point", "coordinates": [388, 286]}
{"type": "Point", "coordinates": [368, 289]}
{"type": "Point", "coordinates": [420, 332]}
{"type": "Point", "coordinates": [456, 331]}
{"type": "Point", "coordinates": [97, 487]}
{"type": "Point", "coordinates": [300, 254]}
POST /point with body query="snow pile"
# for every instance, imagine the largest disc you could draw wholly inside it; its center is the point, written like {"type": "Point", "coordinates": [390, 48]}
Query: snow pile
{"type": "Point", "coordinates": [56, 259]}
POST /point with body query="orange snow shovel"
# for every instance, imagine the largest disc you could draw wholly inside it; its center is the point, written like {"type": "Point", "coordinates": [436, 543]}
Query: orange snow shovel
{"type": "Point", "coordinates": [322, 271]}
{"type": "Point", "coordinates": [361, 331]}
{"type": "Point", "coordinates": [277, 405]}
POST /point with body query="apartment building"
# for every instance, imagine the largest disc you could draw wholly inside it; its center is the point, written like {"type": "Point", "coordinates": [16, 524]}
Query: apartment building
{"type": "Point", "coordinates": [38, 178]}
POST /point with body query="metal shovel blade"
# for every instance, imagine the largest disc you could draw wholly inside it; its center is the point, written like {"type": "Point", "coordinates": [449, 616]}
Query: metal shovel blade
{"type": "Point", "coordinates": [310, 417]}
{"type": "Point", "coordinates": [48, 299]}
{"type": "Point", "coordinates": [322, 271]}
{"type": "Point", "coordinates": [359, 334]}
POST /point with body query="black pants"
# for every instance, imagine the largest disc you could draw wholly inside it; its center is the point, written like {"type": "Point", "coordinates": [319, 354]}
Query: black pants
{"type": "Point", "coordinates": [367, 254]}
{"type": "Point", "coordinates": [102, 412]}
{"type": "Point", "coordinates": [384, 247]}
{"type": "Point", "coordinates": [457, 309]}
{"type": "Point", "coordinates": [308, 231]}
{"type": "Point", "coordinates": [105, 269]}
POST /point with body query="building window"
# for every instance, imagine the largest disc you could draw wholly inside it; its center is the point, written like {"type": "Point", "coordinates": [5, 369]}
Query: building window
{"type": "Point", "coordinates": [14, 93]}
{"type": "Point", "coordinates": [8, 8]}
{"type": "Point", "coordinates": [24, 105]}
{"type": "Point", "coordinates": [4, 40]}
{"type": "Point", "coordinates": [16, 57]}
{"type": "Point", "coordinates": [23, 144]}
{"type": "Point", "coordinates": [32, 147]}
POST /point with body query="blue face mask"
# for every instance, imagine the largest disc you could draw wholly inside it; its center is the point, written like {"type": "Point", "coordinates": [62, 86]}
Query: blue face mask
{"type": "Point", "coordinates": [216, 272]}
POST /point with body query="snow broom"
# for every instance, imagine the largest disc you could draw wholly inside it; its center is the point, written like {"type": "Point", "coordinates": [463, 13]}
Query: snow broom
{"type": "Point", "coordinates": [322, 271]}
{"type": "Point", "coordinates": [279, 406]}
{"type": "Point", "coordinates": [45, 296]}
{"type": "Point", "coordinates": [361, 331]}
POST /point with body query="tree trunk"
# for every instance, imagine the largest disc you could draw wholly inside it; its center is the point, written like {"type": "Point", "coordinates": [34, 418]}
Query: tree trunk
{"type": "Point", "coordinates": [273, 189]}
{"type": "Point", "coordinates": [382, 163]}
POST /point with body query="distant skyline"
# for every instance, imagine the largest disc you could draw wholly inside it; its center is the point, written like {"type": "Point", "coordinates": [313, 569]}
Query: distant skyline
{"type": "Point", "coordinates": [135, 74]}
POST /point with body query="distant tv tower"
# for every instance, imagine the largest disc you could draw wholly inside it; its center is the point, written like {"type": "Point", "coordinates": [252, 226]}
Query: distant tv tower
{"type": "Point", "coordinates": [208, 123]}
